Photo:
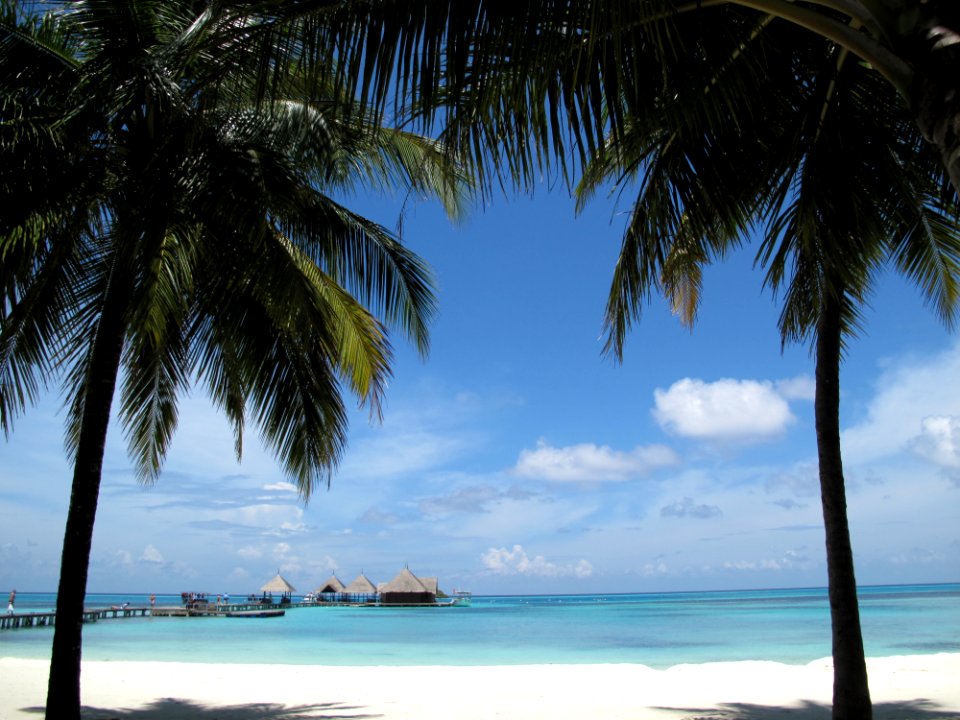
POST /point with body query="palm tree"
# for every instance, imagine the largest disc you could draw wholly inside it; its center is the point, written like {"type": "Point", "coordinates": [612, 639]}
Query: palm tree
{"type": "Point", "coordinates": [172, 219]}
{"type": "Point", "coordinates": [815, 146]}
{"type": "Point", "coordinates": [532, 76]}
{"type": "Point", "coordinates": [690, 98]}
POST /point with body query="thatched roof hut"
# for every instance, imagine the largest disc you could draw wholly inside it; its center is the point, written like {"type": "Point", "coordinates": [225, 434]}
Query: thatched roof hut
{"type": "Point", "coordinates": [407, 588]}
{"type": "Point", "coordinates": [280, 585]}
{"type": "Point", "coordinates": [331, 586]}
{"type": "Point", "coordinates": [361, 588]}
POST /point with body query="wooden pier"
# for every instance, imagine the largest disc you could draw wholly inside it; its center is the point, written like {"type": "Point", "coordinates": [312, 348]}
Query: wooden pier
{"type": "Point", "coordinates": [214, 610]}
{"type": "Point", "coordinates": [43, 619]}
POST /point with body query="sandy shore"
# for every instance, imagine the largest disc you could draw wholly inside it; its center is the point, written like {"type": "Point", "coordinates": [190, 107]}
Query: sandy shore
{"type": "Point", "coordinates": [926, 687]}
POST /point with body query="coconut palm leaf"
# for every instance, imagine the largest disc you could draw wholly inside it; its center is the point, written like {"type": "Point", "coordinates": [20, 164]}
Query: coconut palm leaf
{"type": "Point", "coordinates": [189, 233]}
{"type": "Point", "coordinates": [842, 189]}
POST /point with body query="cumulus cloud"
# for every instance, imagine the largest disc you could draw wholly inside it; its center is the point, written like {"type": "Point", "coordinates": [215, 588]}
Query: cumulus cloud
{"type": "Point", "coordinates": [688, 508]}
{"type": "Point", "coordinates": [656, 568]}
{"type": "Point", "coordinates": [501, 561]}
{"type": "Point", "coordinates": [723, 410]}
{"type": "Point", "coordinates": [591, 463]}
{"type": "Point", "coordinates": [909, 395]}
{"type": "Point", "coordinates": [939, 441]}
{"type": "Point", "coordinates": [151, 555]}
{"type": "Point", "coordinates": [802, 387]}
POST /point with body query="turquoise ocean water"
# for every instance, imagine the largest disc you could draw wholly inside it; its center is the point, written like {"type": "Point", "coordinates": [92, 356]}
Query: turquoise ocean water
{"type": "Point", "coordinates": [658, 630]}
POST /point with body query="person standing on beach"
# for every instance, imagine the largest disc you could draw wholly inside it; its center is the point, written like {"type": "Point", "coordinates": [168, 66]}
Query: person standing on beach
{"type": "Point", "coordinates": [10, 601]}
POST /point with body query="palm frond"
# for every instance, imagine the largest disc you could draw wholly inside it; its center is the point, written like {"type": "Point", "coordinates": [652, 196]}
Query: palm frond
{"type": "Point", "coordinates": [368, 261]}
{"type": "Point", "coordinates": [156, 353]}
{"type": "Point", "coordinates": [928, 253]}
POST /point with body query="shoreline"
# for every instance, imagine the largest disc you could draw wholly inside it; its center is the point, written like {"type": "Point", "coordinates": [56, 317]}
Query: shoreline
{"type": "Point", "coordinates": [901, 686]}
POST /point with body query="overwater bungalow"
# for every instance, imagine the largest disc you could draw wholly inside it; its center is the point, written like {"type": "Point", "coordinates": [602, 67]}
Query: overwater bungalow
{"type": "Point", "coordinates": [407, 589]}
{"type": "Point", "coordinates": [330, 591]}
{"type": "Point", "coordinates": [360, 590]}
{"type": "Point", "coordinates": [280, 586]}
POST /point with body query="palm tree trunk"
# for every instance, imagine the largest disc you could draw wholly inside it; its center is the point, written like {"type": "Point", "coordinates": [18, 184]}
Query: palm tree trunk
{"type": "Point", "coordinates": [63, 689]}
{"type": "Point", "coordinates": [851, 693]}
{"type": "Point", "coordinates": [933, 50]}
{"type": "Point", "coordinates": [937, 109]}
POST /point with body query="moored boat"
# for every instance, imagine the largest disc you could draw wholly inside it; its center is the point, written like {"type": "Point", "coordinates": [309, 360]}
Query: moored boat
{"type": "Point", "coordinates": [265, 613]}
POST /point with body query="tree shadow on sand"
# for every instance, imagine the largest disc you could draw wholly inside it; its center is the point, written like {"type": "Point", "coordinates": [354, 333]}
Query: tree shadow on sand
{"type": "Point", "coordinates": [920, 709]}
{"type": "Point", "coordinates": [174, 709]}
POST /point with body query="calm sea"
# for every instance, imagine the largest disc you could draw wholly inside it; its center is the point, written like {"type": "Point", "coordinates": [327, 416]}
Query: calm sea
{"type": "Point", "coordinates": [658, 630]}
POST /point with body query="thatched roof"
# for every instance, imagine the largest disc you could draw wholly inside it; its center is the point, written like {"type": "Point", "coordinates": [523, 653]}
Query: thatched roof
{"type": "Point", "coordinates": [278, 585]}
{"type": "Point", "coordinates": [333, 585]}
{"type": "Point", "coordinates": [361, 586]}
{"type": "Point", "coordinates": [405, 582]}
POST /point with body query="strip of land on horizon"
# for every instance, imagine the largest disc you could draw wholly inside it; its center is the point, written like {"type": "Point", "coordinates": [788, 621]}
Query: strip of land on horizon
{"type": "Point", "coordinates": [916, 686]}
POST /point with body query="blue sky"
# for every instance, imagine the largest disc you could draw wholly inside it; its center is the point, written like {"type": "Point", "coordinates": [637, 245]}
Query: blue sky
{"type": "Point", "coordinates": [517, 459]}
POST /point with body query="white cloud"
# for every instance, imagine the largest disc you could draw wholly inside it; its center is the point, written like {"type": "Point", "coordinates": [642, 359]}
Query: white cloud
{"type": "Point", "coordinates": [655, 568]}
{"type": "Point", "coordinates": [583, 569]}
{"type": "Point", "coordinates": [939, 440]}
{"type": "Point", "coordinates": [281, 487]}
{"type": "Point", "coordinates": [591, 463]}
{"type": "Point", "coordinates": [396, 453]}
{"type": "Point", "coordinates": [723, 410]}
{"type": "Point", "coordinates": [291, 566]}
{"type": "Point", "coordinates": [326, 563]}
{"type": "Point", "coordinates": [293, 527]}
{"type": "Point", "coordinates": [151, 555]}
{"type": "Point", "coordinates": [270, 519]}
{"type": "Point", "coordinates": [249, 553]}
{"type": "Point", "coordinates": [802, 387]}
{"type": "Point", "coordinates": [908, 394]}
{"type": "Point", "coordinates": [501, 561]}
{"type": "Point", "coordinates": [791, 559]}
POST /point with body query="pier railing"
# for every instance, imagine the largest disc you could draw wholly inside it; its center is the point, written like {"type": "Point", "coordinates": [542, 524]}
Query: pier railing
{"type": "Point", "coordinates": [43, 619]}
{"type": "Point", "coordinates": [12, 621]}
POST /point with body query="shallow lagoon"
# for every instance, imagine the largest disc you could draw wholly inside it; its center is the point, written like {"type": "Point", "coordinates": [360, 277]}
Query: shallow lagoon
{"type": "Point", "coordinates": [659, 630]}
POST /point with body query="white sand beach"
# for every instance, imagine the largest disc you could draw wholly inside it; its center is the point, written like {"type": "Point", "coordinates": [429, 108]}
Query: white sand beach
{"type": "Point", "coordinates": [924, 687]}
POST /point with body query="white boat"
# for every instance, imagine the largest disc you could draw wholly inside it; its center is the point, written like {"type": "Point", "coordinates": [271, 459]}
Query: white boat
{"type": "Point", "coordinates": [462, 598]}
